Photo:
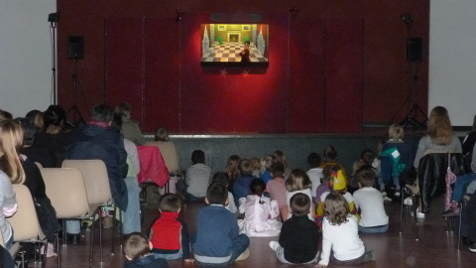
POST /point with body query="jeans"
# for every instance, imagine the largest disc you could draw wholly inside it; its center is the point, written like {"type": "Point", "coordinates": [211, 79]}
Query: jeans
{"type": "Point", "coordinates": [131, 217]}
{"type": "Point", "coordinates": [168, 257]}
{"type": "Point", "coordinates": [460, 186]}
{"type": "Point", "coordinates": [240, 244]}
{"type": "Point", "coordinates": [395, 180]}
{"type": "Point", "coordinates": [373, 229]}
{"type": "Point", "coordinates": [282, 259]}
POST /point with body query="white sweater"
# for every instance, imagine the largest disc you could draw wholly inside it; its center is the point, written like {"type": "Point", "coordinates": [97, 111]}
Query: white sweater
{"type": "Point", "coordinates": [370, 201]}
{"type": "Point", "coordinates": [342, 239]}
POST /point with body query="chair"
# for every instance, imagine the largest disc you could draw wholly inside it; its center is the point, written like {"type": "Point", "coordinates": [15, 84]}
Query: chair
{"type": "Point", "coordinates": [98, 193]}
{"type": "Point", "coordinates": [66, 190]}
{"type": "Point", "coordinates": [24, 222]}
{"type": "Point", "coordinates": [431, 175]}
{"type": "Point", "coordinates": [170, 155]}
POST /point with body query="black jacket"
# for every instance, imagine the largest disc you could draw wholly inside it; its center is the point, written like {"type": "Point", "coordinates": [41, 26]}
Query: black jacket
{"type": "Point", "coordinates": [300, 239]}
{"type": "Point", "coordinates": [106, 144]}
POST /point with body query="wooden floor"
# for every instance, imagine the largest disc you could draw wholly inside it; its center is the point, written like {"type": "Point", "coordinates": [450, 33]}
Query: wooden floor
{"type": "Point", "coordinates": [435, 248]}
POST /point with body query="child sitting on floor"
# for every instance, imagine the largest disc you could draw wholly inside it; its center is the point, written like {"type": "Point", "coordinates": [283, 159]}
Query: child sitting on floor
{"type": "Point", "coordinates": [218, 241]}
{"type": "Point", "coordinates": [260, 213]}
{"type": "Point", "coordinates": [315, 172]}
{"type": "Point", "coordinates": [370, 200]}
{"type": "Point", "coordinates": [168, 235]}
{"type": "Point", "coordinates": [298, 241]}
{"type": "Point", "coordinates": [197, 177]}
{"type": "Point", "coordinates": [241, 187]}
{"type": "Point", "coordinates": [298, 182]}
{"type": "Point", "coordinates": [222, 178]}
{"type": "Point", "coordinates": [340, 234]}
{"type": "Point", "coordinates": [136, 250]}
{"type": "Point", "coordinates": [277, 189]}
{"type": "Point", "coordinates": [266, 163]}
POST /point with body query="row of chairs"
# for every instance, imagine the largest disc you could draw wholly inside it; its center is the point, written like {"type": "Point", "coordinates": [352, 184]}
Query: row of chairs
{"type": "Point", "coordinates": [77, 191]}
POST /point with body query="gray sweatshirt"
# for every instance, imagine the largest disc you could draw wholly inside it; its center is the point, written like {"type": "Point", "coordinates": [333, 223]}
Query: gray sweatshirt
{"type": "Point", "coordinates": [8, 205]}
{"type": "Point", "coordinates": [426, 146]}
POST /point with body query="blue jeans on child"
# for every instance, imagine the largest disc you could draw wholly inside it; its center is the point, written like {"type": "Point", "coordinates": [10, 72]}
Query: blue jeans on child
{"type": "Point", "coordinates": [168, 257]}
{"type": "Point", "coordinates": [240, 244]}
{"type": "Point", "coordinates": [373, 229]}
{"type": "Point", "coordinates": [131, 217]}
{"type": "Point", "coordinates": [460, 186]}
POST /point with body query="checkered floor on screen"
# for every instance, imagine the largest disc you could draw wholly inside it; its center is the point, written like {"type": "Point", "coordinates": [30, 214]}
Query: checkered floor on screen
{"type": "Point", "coordinates": [230, 52]}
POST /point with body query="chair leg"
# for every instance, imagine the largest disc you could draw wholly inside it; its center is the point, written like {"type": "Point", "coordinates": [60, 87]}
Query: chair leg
{"type": "Point", "coordinates": [402, 208]}
{"type": "Point", "coordinates": [101, 260]}
{"type": "Point", "coordinates": [58, 251]}
{"type": "Point", "coordinates": [114, 226]}
{"type": "Point", "coordinates": [91, 244]}
{"type": "Point", "coordinates": [459, 224]}
{"type": "Point", "coordinates": [43, 257]}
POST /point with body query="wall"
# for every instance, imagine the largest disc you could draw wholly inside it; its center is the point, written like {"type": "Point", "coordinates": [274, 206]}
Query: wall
{"type": "Point", "coordinates": [334, 65]}
{"type": "Point", "coordinates": [452, 58]}
{"type": "Point", "coordinates": [25, 55]}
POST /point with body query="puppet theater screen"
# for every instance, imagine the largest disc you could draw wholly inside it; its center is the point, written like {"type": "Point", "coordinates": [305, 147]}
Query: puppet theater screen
{"type": "Point", "coordinates": [234, 43]}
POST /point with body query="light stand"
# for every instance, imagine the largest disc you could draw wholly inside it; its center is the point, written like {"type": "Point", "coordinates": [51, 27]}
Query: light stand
{"type": "Point", "coordinates": [53, 20]}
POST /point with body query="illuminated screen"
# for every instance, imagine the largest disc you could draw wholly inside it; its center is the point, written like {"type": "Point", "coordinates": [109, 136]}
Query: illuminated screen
{"type": "Point", "coordinates": [234, 43]}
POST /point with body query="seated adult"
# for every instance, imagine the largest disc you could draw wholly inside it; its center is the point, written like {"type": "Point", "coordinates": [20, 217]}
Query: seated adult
{"type": "Point", "coordinates": [36, 118]}
{"type": "Point", "coordinates": [98, 140]}
{"type": "Point", "coordinates": [439, 139]}
{"type": "Point", "coordinates": [130, 128]}
{"type": "Point", "coordinates": [464, 184]}
{"type": "Point", "coordinates": [53, 136]}
{"type": "Point", "coordinates": [43, 155]}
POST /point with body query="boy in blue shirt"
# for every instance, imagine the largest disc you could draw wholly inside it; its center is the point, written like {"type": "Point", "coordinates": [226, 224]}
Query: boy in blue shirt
{"type": "Point", "coordinates": [218, 241]}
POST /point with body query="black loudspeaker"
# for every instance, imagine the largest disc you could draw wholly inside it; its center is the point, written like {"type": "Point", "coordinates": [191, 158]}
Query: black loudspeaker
{"type": "Point", "coordinates": [75, 47]}
{"type": "Point", "coordinates": [414, 49]}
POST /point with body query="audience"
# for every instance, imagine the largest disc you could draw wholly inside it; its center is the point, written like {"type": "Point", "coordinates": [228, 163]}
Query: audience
{"type": "Point", "coordinates": [98, 140]}
{"type": "Point", "coordinates": [469, 141]}
{"type": "Point", "coordinates": [35, 117]}
{"type": "Point", "coordinates": [299, 237]}
{"type": "Point", "coordinates": [11, 172]}
{"type": "Point", "coordinates": [280, 157]}
{"type": "Point", "coordinates": [266, 164]}
{"type": "Point", "coordinates": [130, 128]}
{"type": "Point", "coordinates": [218, 239]}
{"type": "Point", "coordinates": [169, 236]}
{"type": "Point", "coordinates": [373, 218]}
{"type": "Point", "coordinates": [45, 156]}
{"type": "Point", "coordinates": [340, 234]}
{"type": "Point", "coordinates": [4, 115]}
{"type": "Point", "coordinates": [137, 252]}
{"type": "Point", "coordinates": [315, 172]}
{"type": "Point", "coordinates": [277, 189]}
{"type": "Point", "coordinates": [260, 212]}
{"type": "Point", "coordinates": [197, 177]}
{"type": "Point", "coordinates": [232, 169]}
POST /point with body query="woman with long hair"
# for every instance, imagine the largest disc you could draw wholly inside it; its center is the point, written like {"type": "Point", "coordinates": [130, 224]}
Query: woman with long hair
{"type": "Point", "coordinates": [439, 138]}
{"type": "Point", "coordinates": [11, 171]}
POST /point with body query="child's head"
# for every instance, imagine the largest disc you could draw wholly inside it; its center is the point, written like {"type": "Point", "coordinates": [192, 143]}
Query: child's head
{"type": "Point", "coordinates": [277, 169]}
{"type": "Point", "coordinates": [255, 163]}
{"type": "Point", "coordinates": [268, 161]}
{"type": "Point", "coordinates": [170, 203]}
{"type": "Point", "coordinates": [135, 245]}
{"type": "Point", "coordinates": [366, 176]}
{"type": "Point", "coordinates": [278, 156]}
{"type": "Point", "coordinates": [233, 161]}
{"type": "Point", "coordinates": [198, 156]}
{"type": "Point", "coordinates": [245, 167]}
{"type": "Point", "coordinates": [396, 132]}
{"type": "Point", "coordinates": [161, 134]}
{"type": "Point", "coordinates": [222, 178]}
{"type": "Point", "coordinates": [330, 153]}
{"type": "Point", "coordinates": [367, 156]}
{"type": "Point", "coordinates": [300, 204]}
{"type": "Point", "coordinates": [314, 160]}
{"type": "Point", "coordinates": [217, 193]}
{"type": "Point", "coordinates": [298, 180]}
{"type": "Point", "coordinates": [336, 208]}
{"type": "Point", "coordinates": [257, 187]}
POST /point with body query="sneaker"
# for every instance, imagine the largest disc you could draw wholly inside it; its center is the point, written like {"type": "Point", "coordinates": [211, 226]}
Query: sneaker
{"type": "Point", "coordinates": [452, 212]}
{"type": "Point", "coordinates": [387, 199]}
{"type": "Point", "coordinates": [472, 247]}
{"type": "Point", "coordinates": [273, 245]}
{"type": "Point", "coordinates": [397, 193]}
{"type": "Point", "coordinates": [408, 201]}
{"type": "Point", "coordinates": [420, 215]}
{"type": "Point", "coordinates": [383, 192]}
{"type": "Point", "coordinates": [50, 250]}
